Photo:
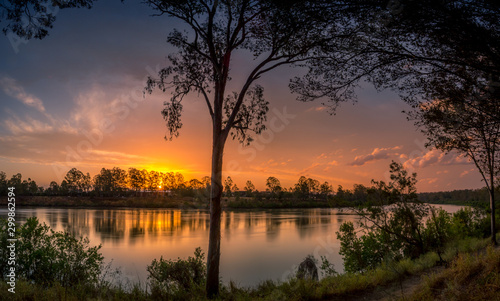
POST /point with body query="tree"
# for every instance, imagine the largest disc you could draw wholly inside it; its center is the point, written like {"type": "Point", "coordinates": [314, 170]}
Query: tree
{"type": "Point", "coordinates": [451, 124]}
{"type": "Point", "coordinates": [53, 188]}
{"type": "Point", "coordinates": [3, 183]}
{"type": "Point", "coordinates": [196, 184]}
{"type": "Point", "coordinates": [75, 180]}
{"type": "Point", "coordinates": [306, 186]}
{"type": "Point", "coordinates": [273, 185]}
{"type": "Point", "coordinates": [119, 179]}
{"type": "Point", "coordinates": [228, 187]}
{"type": "Point", "coordinates": [154, 181]}
{"type": "Point", "coordinates": [249, 188]}
{"type": "Point", "coordinates": [325, 189]}
{"type": "Point", "coordinates": [410, 45]}
{"type": "Point", "coordinates": [32, 19]}
{"type": "Point", "coordinates": [393, 220]}
{"type": "Point", "coordinates": [16, 181]}
{"type": "Point", "coordinates": [276, 33]}
{"type": "Point", "coordinates": [135, 179]}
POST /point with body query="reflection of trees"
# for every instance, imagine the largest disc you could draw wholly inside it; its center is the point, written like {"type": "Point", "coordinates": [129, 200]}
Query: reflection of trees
{"type": "Point", "coordinates": [306, 222]}
{"type": "Point", "coordinates": [52, 218]}
{"type": "Point", "coordinates": [110, 224]}
{"type": "Point", "coordinates": [152, 223]}
{"type": "Point", "coordinates": [78, 222]}
{"type": "Point", "coordinates": [273, 226]}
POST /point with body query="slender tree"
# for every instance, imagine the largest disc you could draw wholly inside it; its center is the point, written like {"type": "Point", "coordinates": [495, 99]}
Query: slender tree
{"type": "Point", "coordinates": [274, 33]}
{"type": "Point", "coordinates": [249, 188]}
{"type": "Point", "coordinates": [451, 124]}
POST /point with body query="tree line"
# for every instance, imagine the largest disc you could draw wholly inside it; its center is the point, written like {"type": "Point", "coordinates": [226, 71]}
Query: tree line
{"type": "Point", "coordinates": [120, 182]}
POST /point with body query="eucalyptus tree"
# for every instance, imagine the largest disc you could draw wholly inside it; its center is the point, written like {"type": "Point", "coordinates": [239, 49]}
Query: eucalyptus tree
{"type": "Point", "coordinates": [274, 33]}
{"type": "Point", "coordinates": [32, 19]}
{"type": "Point", "coordinates": [414, 47]}
{"type": "Point", "coordinates": [451, 124]}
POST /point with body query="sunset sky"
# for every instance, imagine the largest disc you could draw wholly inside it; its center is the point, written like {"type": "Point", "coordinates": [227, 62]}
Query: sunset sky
{"type": "Point", "coordinates": [74, 99]}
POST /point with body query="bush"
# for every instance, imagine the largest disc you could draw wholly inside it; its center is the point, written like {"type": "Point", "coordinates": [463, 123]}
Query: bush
{"type": "Point", "coordinates": [46, 257]}
{"type": "Point", "coordinates": [472, 222]}
{"type": "Point", "coordinates": [177, 278]}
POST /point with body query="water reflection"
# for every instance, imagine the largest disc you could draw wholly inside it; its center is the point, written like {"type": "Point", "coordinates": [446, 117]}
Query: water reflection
{"type": "Point", "coordinates": [256, 244]}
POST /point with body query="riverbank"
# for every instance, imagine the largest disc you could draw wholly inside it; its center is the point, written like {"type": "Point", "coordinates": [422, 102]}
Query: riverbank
{"type": "Point", "coordinates": [161, 201]}
{"type": "Point", "coordinates": [472, 271]}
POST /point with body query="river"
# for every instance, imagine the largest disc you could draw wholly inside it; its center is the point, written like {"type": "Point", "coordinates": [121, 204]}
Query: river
{"type": "Point", "coordinates": [256, 244]}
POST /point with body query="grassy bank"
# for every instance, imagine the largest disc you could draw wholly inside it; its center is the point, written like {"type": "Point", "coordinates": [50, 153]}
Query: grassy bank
{"type": "Point", "coordinates": [473, 270]}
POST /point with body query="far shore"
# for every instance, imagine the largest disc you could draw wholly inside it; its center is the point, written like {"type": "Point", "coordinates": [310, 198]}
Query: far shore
{"type": "Point", "coordinates": [169, 202]}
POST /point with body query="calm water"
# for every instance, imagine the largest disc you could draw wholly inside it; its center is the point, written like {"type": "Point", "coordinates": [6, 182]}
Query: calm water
{"type": "Point", "coordinates": [256, 244]}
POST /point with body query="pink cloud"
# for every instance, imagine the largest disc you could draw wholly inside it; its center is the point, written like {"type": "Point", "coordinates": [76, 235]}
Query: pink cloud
{"type": "Point", "coordinates": [376, 154]}
{"type": "Point", "coordinates": [436, 156]}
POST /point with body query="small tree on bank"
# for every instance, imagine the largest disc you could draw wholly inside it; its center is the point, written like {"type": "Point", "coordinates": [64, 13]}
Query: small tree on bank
{"type": "Point", "coordinates": [453, 124]}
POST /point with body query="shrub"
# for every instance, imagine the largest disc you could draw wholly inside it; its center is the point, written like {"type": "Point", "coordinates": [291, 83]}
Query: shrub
{"type": "Point", "coordinates": [45, 257]}
{"type": "Point", "coordinates": [174, 278]}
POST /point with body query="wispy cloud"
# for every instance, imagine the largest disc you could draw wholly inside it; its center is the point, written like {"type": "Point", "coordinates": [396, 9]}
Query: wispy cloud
{"type": "Point", "coordinates": [12, 88]}
{"type": "Point", "coordinates": [376, 154]}
{"type": "Point", "coordinates": [316, 109]}
{"type": "Point", "coordinates": [466, 172]}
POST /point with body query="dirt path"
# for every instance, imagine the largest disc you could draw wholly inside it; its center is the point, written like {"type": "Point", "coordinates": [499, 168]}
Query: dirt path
{"type": "Point", "coordinates": [398, 289]}
{"type": "Point", "coordinates": [395, 290]}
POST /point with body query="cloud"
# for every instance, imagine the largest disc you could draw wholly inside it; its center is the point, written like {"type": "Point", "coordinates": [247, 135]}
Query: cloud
{"type": "Point", "coordinates": [466, 172]}
{"type": "Point", "coordinates": [317, 109]}
{"type": "Point", "coordinates": [429, 180]}
{"type": "Point", "coordinates": [435, 157]}
{"type": "Point", "coordinates": [13, 89]}
{"type": "Point", "coordinates": [376, 154]}
{"type": "Point", "coordinates": [309, 169]}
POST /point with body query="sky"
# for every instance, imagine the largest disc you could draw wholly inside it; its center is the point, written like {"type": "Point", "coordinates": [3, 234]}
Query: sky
{"type": "Point", "coordinates": [75, 99]}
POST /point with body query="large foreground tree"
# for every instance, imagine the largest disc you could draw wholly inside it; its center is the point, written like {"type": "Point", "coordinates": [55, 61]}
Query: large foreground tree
{"type": "Point", "coordinates": [274, 34]}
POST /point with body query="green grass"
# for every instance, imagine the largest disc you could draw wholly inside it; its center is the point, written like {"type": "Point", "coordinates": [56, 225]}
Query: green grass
{"type": "Point", "coordinates": [468, 275]}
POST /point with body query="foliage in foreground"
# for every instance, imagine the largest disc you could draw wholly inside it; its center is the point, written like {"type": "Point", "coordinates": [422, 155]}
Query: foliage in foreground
{"type": "Point", "coordinates": [178, 279]}
{"type": "Point", "coordinates": [336, 286]}
{"type": "Point", "coordinates": [46, 257]}
{"type": "Point", "coordinates": [397, 225]}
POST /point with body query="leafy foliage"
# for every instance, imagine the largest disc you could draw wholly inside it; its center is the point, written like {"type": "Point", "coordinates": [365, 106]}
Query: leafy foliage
{"type": "Point", "coordinates": [169, 277]}
{"type": "Point", "coordinates": [32, 19]}
{"type": "Point", "coordinates": [396, 225]}
{"type": "Point", "coordinates": [46, 257]}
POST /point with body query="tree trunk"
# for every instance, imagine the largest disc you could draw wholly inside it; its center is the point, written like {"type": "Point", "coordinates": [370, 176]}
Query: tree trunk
{"type": "Point", "coordinates": [492, 207]}
{"type": "Point", "coordinates": [213, 258]}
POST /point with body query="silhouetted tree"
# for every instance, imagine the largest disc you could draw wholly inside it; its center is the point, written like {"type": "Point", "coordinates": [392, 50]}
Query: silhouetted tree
{"type": "Point", "coordinates": [275, 33]}
{"type": "Point", "coordinates": [451, 124]}
{"type": "Point", "coordinates": [134, 179]}
{"type": "Point", "coordinates": [119, 180]}
{"type": "Point", "coordinates": [3, 183]}
{"type": "Point", "coordinates": [228, 187]}
{"type": "Point", "coordinates": [249, 188]}
{"type": "Point", "coordinates": [325, 189]}
{"type": "Point", "coordinates": [75, 180]}
{"type": "Point", "coordinates": [273, 185]}
{"type": "Point", "coordinates": [53, 188]}
{"type": "Point", "coordinates": [33, 18]}
{"type": "Point", "coordinates": [16, 181]}
{"type": "Point", "coordinates": [154, 180]}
